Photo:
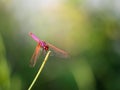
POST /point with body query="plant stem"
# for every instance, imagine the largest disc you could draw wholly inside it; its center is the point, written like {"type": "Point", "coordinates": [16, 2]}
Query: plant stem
{"type": "Point", "coordinates": [39, 71]}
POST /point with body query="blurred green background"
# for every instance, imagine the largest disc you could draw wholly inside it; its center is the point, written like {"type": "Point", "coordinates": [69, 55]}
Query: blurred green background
{"type": "Point", "coordinates": [89, 30]}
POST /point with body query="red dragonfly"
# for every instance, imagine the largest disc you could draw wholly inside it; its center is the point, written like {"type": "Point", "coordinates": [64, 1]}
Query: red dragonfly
{"type": "Point", "coordinates": [42, 45]}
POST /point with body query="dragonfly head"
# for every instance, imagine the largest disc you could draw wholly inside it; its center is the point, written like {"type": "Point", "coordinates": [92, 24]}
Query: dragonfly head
{"type": "Point", "coordinates": [46, 47]}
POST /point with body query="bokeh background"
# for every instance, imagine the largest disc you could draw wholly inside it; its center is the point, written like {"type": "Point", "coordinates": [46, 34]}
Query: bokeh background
{"type": "Point", "coordinates": [89, 30]}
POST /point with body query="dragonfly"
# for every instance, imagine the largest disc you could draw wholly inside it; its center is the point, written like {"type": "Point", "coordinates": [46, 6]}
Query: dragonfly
{"type": "Point", "coordinates": [44, 47]}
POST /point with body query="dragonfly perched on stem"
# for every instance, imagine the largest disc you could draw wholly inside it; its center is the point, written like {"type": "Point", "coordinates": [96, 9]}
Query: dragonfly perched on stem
{"type": "Point", "coordinates": [45, 48]}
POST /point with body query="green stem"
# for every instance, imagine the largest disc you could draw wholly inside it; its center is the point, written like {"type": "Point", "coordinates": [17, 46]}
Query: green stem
{"type": "Point", "coordinates": [39, 71]}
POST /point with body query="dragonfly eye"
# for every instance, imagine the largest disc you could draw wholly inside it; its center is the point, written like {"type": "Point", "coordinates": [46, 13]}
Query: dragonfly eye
{"type": "Point", "coordinates": [46, 48]}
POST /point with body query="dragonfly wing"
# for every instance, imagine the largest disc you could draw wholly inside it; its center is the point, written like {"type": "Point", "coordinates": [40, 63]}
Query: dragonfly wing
{"type": "Point", "coordinates": [35, 55]}
{"type": "Point", "coordinates": [58, 51]}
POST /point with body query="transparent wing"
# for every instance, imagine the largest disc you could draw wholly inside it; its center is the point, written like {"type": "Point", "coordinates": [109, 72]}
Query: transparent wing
{"type": "Point", "coordinates": [57, 51]}
{"type": "Point", "coordinates": [35, 55]}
